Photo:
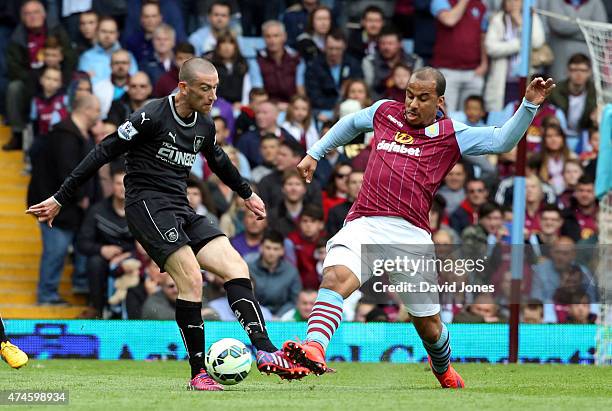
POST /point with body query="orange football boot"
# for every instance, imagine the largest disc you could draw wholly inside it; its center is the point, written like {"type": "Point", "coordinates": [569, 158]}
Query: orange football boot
{"type": "Point", "coordinates": [448, 379]}
{"type": "Point", "coordinates": [309, 354]}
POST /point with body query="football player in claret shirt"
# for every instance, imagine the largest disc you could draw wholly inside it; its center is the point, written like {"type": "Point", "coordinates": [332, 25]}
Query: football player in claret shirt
{"type": "Point", "coordinates": [414, 146]}
{"type": "Point", "coordinates": [162, 140]}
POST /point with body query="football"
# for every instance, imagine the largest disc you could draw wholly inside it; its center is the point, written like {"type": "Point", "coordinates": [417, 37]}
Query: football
{"type": "Point", "coordinates": [228, 361]}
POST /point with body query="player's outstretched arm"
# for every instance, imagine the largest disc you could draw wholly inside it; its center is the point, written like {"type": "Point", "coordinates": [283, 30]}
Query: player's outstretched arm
{"type": "Point", "coordinates": [110, 148]}
{"type": "Point", "coordinates": [495, 140]}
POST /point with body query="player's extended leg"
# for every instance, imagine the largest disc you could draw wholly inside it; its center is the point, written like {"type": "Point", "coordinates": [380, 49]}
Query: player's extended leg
{"type": "Point", "coordinates": [338, 283]}
{"type": "Point", "coordinates": [436, 341]}
{"type": "Point", "coordinates": [9, 352]}
{"type": "Point", "coordinates": [219, 257]}
{"type": "Point", "coordinates": [185, 270]}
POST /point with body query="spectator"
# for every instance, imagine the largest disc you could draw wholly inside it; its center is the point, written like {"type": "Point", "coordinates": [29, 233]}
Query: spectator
{"type": "Point", "coordinates": [397, 82]}
{"type": "Point", "coordinates": [162, 304]}
{"type": "Point", "coordinates": [357, 89]}
{"type": "Point", "coordinates": [279, 69]}
{"type": "Point", "coordinates": [363, 41]}
{"type": "Point", "coordinates": [288, 158]}
{"type": "Point", "coordinates": [532, 312]}
{"type": "Point", "coordinates": [572, 171]}
{"type": "Point", "coordinates": [299, 122]}
{"type": "Point", "coordinates": [326, 75]}
{"type": "Point", "coordinates": [140, 42]}
{"type": "Point", "coordinates": [265, 119]}
{"type": "Point", "coordinates": [479, 239]}
{"type": "Point", "coordinates": [576, 94]}
{"type": "Point", "coordinates": [580, 219]}
{"type": "Point", "coordinates": [483, 310]}
{"type": "Point", "coordinates": [204, 39]}
{"type": "Point", "coordinates": [79, 85]}
{"type": "Point", "coordinates": [88, 27]}
{"type": "Point", "coordinates": [233, 70]}
{"type": "Point", "coordinates": [565, 37]}
{"type": "Point", "coordinates": [305, 301]}
{"type": "Point", "coordinates": [304, 241]}
{"type": "Point", "coordinates": [467, 212]}
{"type": "Point", "coordinates": [579, 311]}
{"type": "Point", "coordinates": [362, 311]}
{"type": "Point", "coordinates": [114, 87]}
{"type": "Point", "coordinates": [474, 113]}
{"type": "Point", "coordinates": [551, 221]}
{"type": "Point", "coordinates": [284, 216]}
{"type": "Point", "coordinates": [503, 43]}
{"type": "Point", "coordinates": [53, 57]}
{"type": "Point", "coordinates": [231, 220]}
{"type": "Point", "coordinates": [65, 147]}
{"type": "Point", "coordinates": [50, 106]}
{"type": "Point", "coordinates": [377, 67]}
{"type": "Point", "coordinates": [459, 50]}
{"type": "Point", "coordinates": [311, 43]}
{"type": "Point", "coordinates": [547, 274]}
{"type": "Point", "coordinates": [168, 81]}
{"type": "Point", "coordinates": [23, 54]}
{"type": "Point", "coordinates": [268, 148]}
{"type": "Point", "coordinates": [553, 157]}
{"type": "Point", "coordinates": [278, 282]}
{"type": "Point", "coordinates": [222, 195]}
{"type": "Point", "coordinates": [589, 158]}
{"type": "Point", "coordinates": [505, 188]}
{"type": "Point", "coordinates": [296, 18]}
{"type": "Point", "coordinates": [338, 213]}
{"type": "Point", "coordinates": [337, 189]}
{"type": "Point", "coordinates": [161, 61]}
{"type": "Point", "coordinates": [534, 203]}
{"type": "Point", "coordinates": [248, 242]}
{"type": "Point", "coordinates": [139, 90]}
{"type": "Point", "coordinates": [246, 119]}
{"type": "Point", "coordinates": [103, 236]}
{"type": "Point", "coordinates": [96, 61]}
{"type": "Point", "coordinates": [200, 199]}
{"type": "Point", "coordinates": [453, 188]}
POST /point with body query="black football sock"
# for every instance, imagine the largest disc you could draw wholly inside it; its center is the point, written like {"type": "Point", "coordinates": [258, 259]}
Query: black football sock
{"type": "Point", "coordinates": [191, 326]}
{"type": "Point", "coordinates": [3, 337]}
{"type": "Point", "coordinates": [246, 309]}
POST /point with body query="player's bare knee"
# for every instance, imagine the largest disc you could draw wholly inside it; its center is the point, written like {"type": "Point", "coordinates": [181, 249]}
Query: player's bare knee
{"type": "Point", "coordinates": [337, 280]}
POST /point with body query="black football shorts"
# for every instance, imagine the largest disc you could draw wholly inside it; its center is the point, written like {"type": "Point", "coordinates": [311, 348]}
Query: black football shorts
{"type": "Point", "coordinates": [162, 227]}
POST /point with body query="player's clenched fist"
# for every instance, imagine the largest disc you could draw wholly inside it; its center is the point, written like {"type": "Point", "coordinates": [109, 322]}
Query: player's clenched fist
{"type": "Point", "coordinates": [538, 90]}
{"type": "Point", "coordinates": [307, 167]}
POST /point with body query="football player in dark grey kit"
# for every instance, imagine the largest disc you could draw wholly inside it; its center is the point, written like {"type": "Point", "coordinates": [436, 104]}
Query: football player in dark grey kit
{"type": "Point", "coordinates": [162, 140]}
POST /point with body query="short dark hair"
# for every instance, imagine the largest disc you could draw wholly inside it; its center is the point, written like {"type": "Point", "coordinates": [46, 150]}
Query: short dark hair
{"type": "Point", "coordinates": [429, 73]}
{"type": "Point", "coordinates": [149, 3]}
{"type": "Point", "coordinates": [222, 3]}
{"type": "Point", "coordinates": [295, 148]}
{"type": "Point", "coordinates": [548, 208]}
{"type": "Point", "coordinates": [53, 42]}
{"type": "Point", "coordinates": [534, 304]}
{"type": "Point", "coordinates": [474, 97]}
{"type": "Point", "coordinates": [223, 120]}
{"type": "Point", "coordinates": [267, 136]}
{"type": "Point", "coordinates": [337, 34]}
{"type": "Point", "coordinates": [274, 237]}
{"type": "Point", "coordinates": [390, 30]}
{"type": "Point", "coordinates": [107, 18]}
{"type": "Point", "coordinates": [292, 172]}
{"type": "Point", "coordinates": [184, 47]}
{"type": "Point", "coordinates": [488, 208]}
{"type": "Point", "coordinates": [257, 91]}
{"type": "Point", "coordinates": [586, 179]}
{"type": "Point", "coordinates": [579, 58]}
{"type": "Point", "coordinates": [476, 180]}
{"type": "Point", "coordinates": [313, 211]}
{"type": "Point", "coordinates": [372, 9]}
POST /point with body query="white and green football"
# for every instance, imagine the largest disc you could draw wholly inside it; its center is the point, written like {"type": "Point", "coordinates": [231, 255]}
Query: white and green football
{"type": "Point", "coordinates": [228, 361]}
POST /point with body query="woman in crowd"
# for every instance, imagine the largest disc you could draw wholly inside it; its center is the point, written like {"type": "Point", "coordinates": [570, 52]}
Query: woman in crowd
{"type": "Point", "coordinates": [337, 187]}
{"type": "Point", "coordinates": [299, 122]}
{"type": "Point", "coordinates": [554, 155]}
{"type": "Point", "coordinates": [311, 43]}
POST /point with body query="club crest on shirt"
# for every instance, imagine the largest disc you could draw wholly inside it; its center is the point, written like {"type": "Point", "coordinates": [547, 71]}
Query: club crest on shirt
{"type": "Point", "coordinates": [433, 130]}
{"type": "Point", "coordinates": [197, 143]}
{"type": "Point", "coordinates": [171, 235]}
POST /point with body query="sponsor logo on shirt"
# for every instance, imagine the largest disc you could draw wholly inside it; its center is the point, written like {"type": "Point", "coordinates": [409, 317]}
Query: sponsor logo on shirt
{"type": "Point", "coordinates": [126, 131]}
{"type": "Point", "coordinates": [170, 154]}
{"type": "Point", "coordinates": [403, 138]}
{"type": "Point", "coordinates": [393, 147]}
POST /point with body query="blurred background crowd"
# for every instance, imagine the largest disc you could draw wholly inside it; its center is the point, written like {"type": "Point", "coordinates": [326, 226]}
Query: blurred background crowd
{"type": "Point", "coordinates": [288, 70]}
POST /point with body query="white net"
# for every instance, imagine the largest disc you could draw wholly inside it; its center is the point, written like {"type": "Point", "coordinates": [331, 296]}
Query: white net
{"type": "Point", "coordinates": [598, 37]}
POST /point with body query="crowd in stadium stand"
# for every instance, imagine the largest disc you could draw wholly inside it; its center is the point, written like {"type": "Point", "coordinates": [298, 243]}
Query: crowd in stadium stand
{"type": "Point", "coordinates": [288, 70]}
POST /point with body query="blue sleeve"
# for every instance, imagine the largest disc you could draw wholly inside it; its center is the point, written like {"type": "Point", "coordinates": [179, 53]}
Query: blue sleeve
{"type": "Point", "coordinates": [493, 140]}
{"type": "Point", "coordinates": [255, 73]}
{"type": "Point", "coordinates": [33, 111]}
{"type": "Point", "coordinates": [299, 74]}
{"type": "Point", "coordinates": [438, 6]}
{"type": "Point", "coordinates": [345, 130]}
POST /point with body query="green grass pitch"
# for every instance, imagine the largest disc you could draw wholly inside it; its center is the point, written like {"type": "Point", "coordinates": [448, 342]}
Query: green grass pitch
{"type": "Point", "coordinates": [128, 385]}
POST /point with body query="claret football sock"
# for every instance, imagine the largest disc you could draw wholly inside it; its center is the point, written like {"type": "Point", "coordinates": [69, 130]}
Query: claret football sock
{"type": "Point", "coordinates": [440, 351]}
{"type": "Point", "coordinates": [246, 309]}
{"type": "Point", "coordinates": [191, 326]}
{"type": "Point", "coordinates": [325, 317]}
